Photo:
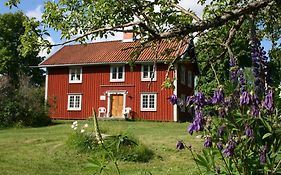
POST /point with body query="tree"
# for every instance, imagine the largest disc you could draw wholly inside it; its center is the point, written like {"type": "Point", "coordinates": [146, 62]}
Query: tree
{"type": "Point", "coordinates": [13, 63]}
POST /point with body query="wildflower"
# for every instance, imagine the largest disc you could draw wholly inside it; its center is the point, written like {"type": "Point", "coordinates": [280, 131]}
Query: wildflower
{"type": "Point", "coordinates": [221, 131]}
{"type": "Point", "coordinates": [197, 124]}
{"type": "Point", "coordinates": [75, 128]}
{"type": "Point", "coordinates": [173, 99]}
{"type": "Point", "coordinates": [249, 131]}
{"type": "Point", "coordinates": [180, 145]}
{"type": "Point", "coordinates": [268, 101]}
{"type": "Point", "coordinates": [244, 98]}
{"type": "Point", "coordinates": [242, 81]}
{"type": "Point", "coordinates": [230, 147]}
{"type": "Point", "coordinates": [75, 123]}
{"type": "Point", "coordinates": [208, 142]}
{"type": "Point", "coordinates": [189, 100]}
{"type": "Point", "coordinates": [82, 130]}
{"type": "Point", "coordinates": [218, 96]}
{"type": "Point", "coordinates": [255, 111]}
{"type": "Point", "coordinates": [220, 145]}
{"type": "Point", "coordinates": [86, 125]}
{"type": "Point", "coordinates": [263, 155]}
{"type": "Point", "coordinates": [199, 99]}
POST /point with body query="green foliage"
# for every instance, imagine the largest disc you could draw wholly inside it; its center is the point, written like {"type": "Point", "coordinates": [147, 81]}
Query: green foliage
{"type": "Point", "coordinates": [24, 106]}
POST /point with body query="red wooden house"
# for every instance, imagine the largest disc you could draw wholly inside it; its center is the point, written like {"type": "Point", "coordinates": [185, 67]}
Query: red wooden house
{"type": "Point", "coordinates": [97, 76]}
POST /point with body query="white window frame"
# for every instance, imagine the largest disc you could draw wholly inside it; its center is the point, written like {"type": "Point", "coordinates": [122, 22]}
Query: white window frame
{"type": "Point", "coordinates": [74, 108]}
{"type": "Point", "coordinates": [117, 79]}
{"type": "Point", "coordinates": [189, 78]}
{"type": "Point", "coordinates": [149, 72]}
{"type": "Point", "coordinates": [183, 74]}
{"type": "Point", "coordinates": [148, 100]}
{"type": "Point", "coordinates": [76, 71]}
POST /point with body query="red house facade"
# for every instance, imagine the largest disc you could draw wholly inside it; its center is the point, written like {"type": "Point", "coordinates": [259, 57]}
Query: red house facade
{"type": "Point", "coordinates": [98, 76]}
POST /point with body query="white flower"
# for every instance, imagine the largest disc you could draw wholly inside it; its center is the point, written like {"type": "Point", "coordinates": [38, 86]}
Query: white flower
{"type": "Point", "coordinates": [82, 130]}
{"type": "Point", "coordinates": [280, 95]}
{"type": "Point", "coordinates": [279, 87]}
{"type": "Point", "coordinates": [75, 123]}
{"type": "Point", "coordinates": [86, 125]}
{"type": "Point", "coordinates": [75, 128]}
{"type": "Point", "coordinates": [72, 126]}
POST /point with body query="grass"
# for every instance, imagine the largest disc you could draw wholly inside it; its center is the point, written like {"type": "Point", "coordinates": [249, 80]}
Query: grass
{"type": "Point", "coordinates": [43, 151]}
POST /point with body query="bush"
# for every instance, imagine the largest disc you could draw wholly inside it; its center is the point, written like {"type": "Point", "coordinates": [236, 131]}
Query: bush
{"type": "Point", "coordinates": [122, 147]}
{"type": "Point", "coordinates": [22, 106]}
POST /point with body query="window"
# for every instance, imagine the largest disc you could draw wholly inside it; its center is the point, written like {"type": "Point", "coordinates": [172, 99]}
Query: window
{"type": "Point", "coordinates": [75, 75]}
{"type": "Point", "coordinates": [148, 102]}
{"type": "Point", "coordinates": [117, 73]}
{"type": "Point", "coordinates": [182, 76]}
{"type": "Point", "coordinates": [189, 79]}
{"type": "Point", "coordinates": [148, 73]}
{"type": "Point", "coordinates": [74, 102]}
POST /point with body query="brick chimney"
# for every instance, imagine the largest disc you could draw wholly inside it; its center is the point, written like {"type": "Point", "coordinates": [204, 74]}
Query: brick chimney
{"type": "Point", "coordinates": [129, 37]}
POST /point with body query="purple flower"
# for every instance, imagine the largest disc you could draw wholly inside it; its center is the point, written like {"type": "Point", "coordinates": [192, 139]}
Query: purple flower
{"type": "Point", "coordinates": [218, 96]}
{"type": "Point", "coordinates": [242, 81]}
{"type": "Point", "coordinates": [255, 111]}
{"type": "Point", "coordinates": [220, 145]}
{"type": "Point", "coordinates": [173, 99]}
{"type": "Point", "coordinates": [230, 147]}
{"type": "Point", "coordinates": [245, 98]}
{"type": "Point", "coordinates": [249, 131]}
{"type": "Point", "coordinates": [208, 142]}
{"type": "Point", "coordinates": [189, 100]}
{"type": "Point", "coordinates": [263, 155]}
{"type": "Point", "coordinates": [180, 145]}
{"type": "Point", "coordinates": [200, 99]}
{"type": "Point", "coordinates": [268, 100]}
{"type": "Point", "coordinates": [221, 131]}
{"type": "Point", "coordinates": [197, 124]}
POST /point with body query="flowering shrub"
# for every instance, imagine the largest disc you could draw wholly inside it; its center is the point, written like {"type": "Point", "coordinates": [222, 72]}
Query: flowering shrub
{"type": "Point", "coordinates": [240, 122]}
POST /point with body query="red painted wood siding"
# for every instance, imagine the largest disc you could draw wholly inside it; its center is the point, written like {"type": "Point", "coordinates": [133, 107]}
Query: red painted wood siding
{"type": "Point", "coordinates": [96, 82]}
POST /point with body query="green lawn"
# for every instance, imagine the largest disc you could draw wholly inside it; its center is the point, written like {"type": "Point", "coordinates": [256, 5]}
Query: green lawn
{"type": "Point", "coordinates": [32, 151]}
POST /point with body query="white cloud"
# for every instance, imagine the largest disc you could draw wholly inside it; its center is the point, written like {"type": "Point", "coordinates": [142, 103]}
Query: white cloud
{"type": "Point", "coordinates": [43, 52]}
{"type": "Point", "coordinates": [194, 6]}
{"type": "Point", "coordinates": [36, 13]}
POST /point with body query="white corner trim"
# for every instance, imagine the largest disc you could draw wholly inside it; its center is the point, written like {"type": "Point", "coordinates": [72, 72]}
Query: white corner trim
{"type": "Point", "coordinates": [175, 92]}
{"type": "Point", "coordinates": [46, 86]}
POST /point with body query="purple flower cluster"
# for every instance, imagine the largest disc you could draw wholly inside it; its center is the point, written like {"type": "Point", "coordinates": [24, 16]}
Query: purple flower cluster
{"type": "Point", "coordinates": [173, 99]}
{"type": "Point", "coordinates": [259, 64]}
{"type": "Point", "coordinates": [208, 142]}
{"type": "Point", "coordinates": [230, 147]}
{"type": "Point", "coordinates": [249, 132]}
{"type": "Point", "coordinates": [220, 131]}
{"type": "Point", "coordinates": [180, 145]}
{"type": "Point", "coordinates": [268, 101]}
{"type": "Point", "coordinates": [197, 124]}
{"type": "Point", "coordinates": [218, 96]}
{"type": "Point", "coordinates": [242, 80]}
{"type": "Point", "coordinates": [220, 145]}
{"type": "Point", "coordinates": [233, 69]}
{"type": "Point", "coordinates": [263, 155]}
{"type": "Point", "coordinates": [245, 98]}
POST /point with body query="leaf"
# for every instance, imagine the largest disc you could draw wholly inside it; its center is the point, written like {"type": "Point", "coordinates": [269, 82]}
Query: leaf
{"type": "Point", "coordinates": [266, 135]}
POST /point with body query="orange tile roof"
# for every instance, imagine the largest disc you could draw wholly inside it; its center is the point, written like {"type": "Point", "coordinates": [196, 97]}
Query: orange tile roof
{"type": "Point", "coordinates": [107, 52]}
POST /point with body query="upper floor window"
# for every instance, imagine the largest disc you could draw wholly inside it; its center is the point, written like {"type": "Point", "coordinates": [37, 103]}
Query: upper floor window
{"type": "Point", "coordinates": [117, 73]}
{"type": "Point", "coordinates": [190, 79]}
{"type": "Point", "coordinates": [75, 75]}
{"type": "Point", "coordinates": [182, 74]}
{"type": "Point", "coordinates": [74, 102]}
{"type": "Point", "coordinates": [148, 73]}
{"type": "Point", "coordinates": [148, 102]}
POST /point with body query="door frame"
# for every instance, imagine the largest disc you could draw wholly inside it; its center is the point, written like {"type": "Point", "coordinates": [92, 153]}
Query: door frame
{"type": "Point", "coordinates": [115, 92]}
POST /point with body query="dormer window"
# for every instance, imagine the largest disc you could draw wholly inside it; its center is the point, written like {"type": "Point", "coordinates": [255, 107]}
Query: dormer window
{"type": "Point", "coordinates": [148, 73]}
{"type": "Point", "coordinates": [75, 75]}
{"type": "Point", "coordinates": [117, 73]}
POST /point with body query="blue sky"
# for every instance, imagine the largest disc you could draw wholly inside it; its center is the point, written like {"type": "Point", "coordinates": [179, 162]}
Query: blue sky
{"type": "Point", "coordinates": [34, 8]}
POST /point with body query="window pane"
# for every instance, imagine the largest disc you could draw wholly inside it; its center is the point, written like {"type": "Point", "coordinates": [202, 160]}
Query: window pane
{"type": "Point", "coordinates": [145, 101]}
{"type": "Point", "coordinates": [71, 101]}
{"type": "Point", "coordinates": [77, 102]}
{"type": "Point", "coordinates": [114, 73]}
{"type": "Point", "coordinates": [151, 101]}
{"type": "Point", "coordinates": [120, 72]}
